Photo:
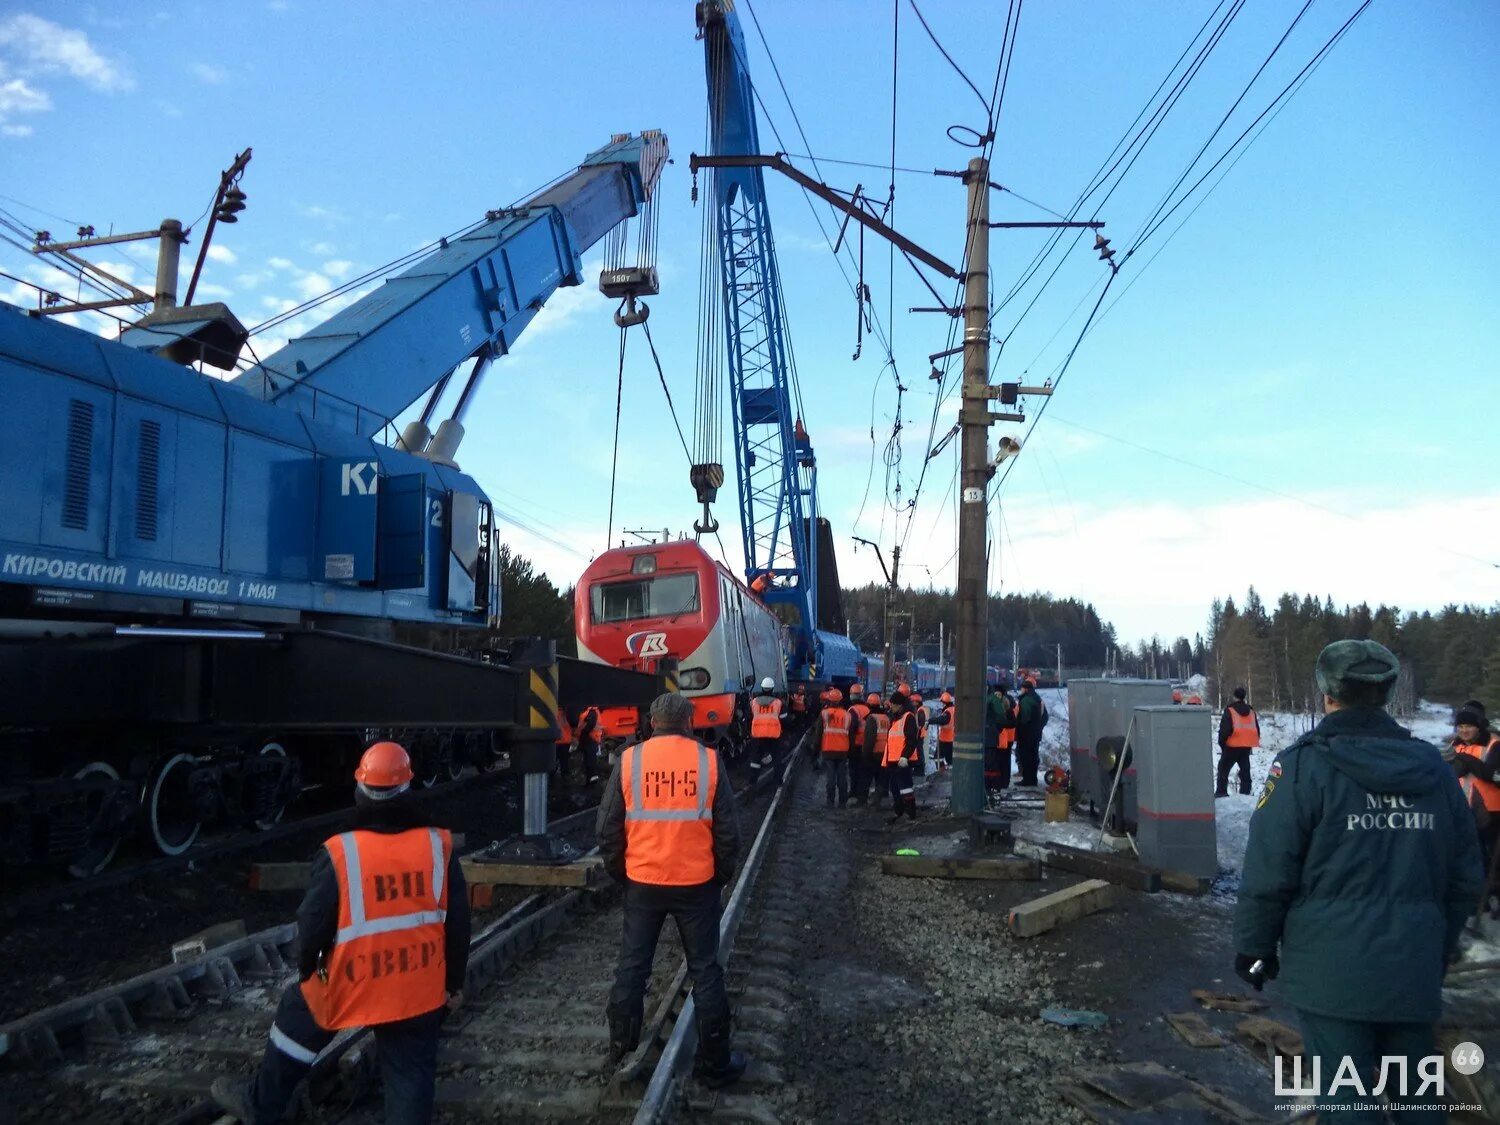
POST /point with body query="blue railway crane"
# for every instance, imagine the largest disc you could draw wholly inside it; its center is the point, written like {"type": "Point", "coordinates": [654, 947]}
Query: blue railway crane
{"type": "Point", "coordinates": [784, 536]}
{"type": "Point", "coordinates": [210, 587]}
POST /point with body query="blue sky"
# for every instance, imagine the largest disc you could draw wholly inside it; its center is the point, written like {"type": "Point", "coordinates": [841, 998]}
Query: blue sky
{"type": "Point", "coordinates": [1309, 364]}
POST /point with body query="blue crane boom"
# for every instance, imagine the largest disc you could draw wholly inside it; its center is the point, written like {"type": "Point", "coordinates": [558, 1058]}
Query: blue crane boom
{"type": "Point", "coordinates": [777, 469]}
{"type": "Point", "coordinates": [469, 299]}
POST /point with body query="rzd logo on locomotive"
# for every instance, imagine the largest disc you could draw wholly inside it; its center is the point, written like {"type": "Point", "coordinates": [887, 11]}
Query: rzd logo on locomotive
{"type": "Point", "coordinates": [646, 644]}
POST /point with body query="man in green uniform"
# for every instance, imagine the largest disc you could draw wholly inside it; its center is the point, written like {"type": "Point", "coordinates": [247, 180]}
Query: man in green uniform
{"type": "Point", "coordinates": [1360, 871]}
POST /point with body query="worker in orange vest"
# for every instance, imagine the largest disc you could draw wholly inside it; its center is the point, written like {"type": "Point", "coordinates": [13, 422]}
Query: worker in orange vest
{"type": "Point", "coordinates": [383, 939]}
{"type": "Point", "coordinates": [1476, 758]}
{"type": "Point", "coordinates": [998, 753]}
{"type": "Point", "coordinates": [668, 831]}
{"type": "Point", "coordinates": [877, 734]}
{"type": "Point", "coordinates": [946, 727]}
{"type": "Point", "coordinates": [900, 752]}
{"type": "Point", "coordinates": [1239, 733]}
{"type": "Point", "coordinates": [859, 771]}
{"type": "Point", "coordinates": [923, 717]}
{"type": "Point", "coordinates": [797, 710]}
{"type": "Point", "coordinates": [765, 726]}
{"type": "Point", "coordinates": [832, 733]}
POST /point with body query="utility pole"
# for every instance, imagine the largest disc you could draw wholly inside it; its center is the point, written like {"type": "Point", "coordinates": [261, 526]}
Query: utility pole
{"type": "Point", "coordinates": [974, 423]}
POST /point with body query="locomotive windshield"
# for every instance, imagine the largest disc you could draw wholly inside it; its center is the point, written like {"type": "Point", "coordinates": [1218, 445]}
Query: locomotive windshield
{"type": "Point", "coordinates": [665, 595]}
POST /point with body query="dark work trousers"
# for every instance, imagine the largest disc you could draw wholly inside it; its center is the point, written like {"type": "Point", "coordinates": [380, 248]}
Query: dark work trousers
{"type": "Point", "coordinates": [879, 778]}
{"type": "Point", "coordinates": [764, 753]}
{"type": "Point", "coordinates": [903, 793]}
{"type": "Point", "coordinates": [996, 768]}
{"type": "Point", "coordinates": [1329, 1040]}
{"type": "Point", "coordinates": [1229, 757]}
{"type": "Point", "coordinates": [695, 909]}
{"type": "Point", "coordinates": [945, 752]}
{"type": "Point", "coordinates": [838, 778]}
{"type": "Point", "coordinates": [590, 750]}
{"type": "Point", "coordinates": [1028, 755]}
{"type": "Point", "coordinates": [919, 767]}
{"type": "Point", "coordinates": [859, 781]}
{"type": "Point", "coordinates": [408, 1062]}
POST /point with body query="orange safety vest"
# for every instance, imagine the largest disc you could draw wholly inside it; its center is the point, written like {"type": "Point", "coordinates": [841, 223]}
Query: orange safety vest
{"type": "Point", "coordinates": [882, 736]}
{"type": "Point", "coordinates": [895, 743]}
{"type": "Point", "coordinates": [945, 732]}
{"type": "Point", "coordinates": [1007, 736]}
{"type": "Point", "coordinates": [593, 735]}
{"type": "Point", "coordinates": [1245, 731]}
{"type": "Point", "coordinates": [858, 713]}
{"type": "Point", "coordinates": [765, 718]}
{"type": "Point", "coordinates": [669, 783]}
{"type": "Point", "coordinates": [387, 962]}
{"type": "Point", "coordinates": [1487, 791]}
{"type": "Point", "coordinates": [835, 742]}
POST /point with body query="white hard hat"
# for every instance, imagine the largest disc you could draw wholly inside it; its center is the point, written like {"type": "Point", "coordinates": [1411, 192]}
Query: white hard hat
{"type": "Point", "coordinates": [768, 684]}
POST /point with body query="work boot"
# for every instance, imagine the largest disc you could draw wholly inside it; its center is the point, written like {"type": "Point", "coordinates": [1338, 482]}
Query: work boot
{"type": "Point", "coordinates": [717, 1066]}
{"type": "Point", "coordinates": [232, 1095]}
{"type": "Point", "coordinates": [624, 1037]}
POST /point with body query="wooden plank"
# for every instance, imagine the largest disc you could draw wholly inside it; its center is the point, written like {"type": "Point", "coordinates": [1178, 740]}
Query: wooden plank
{"type": "Point", "coordinates": [1042, 914]}
{"type": "Point", "coordinates": [1194, 1029]}
{"type": "Point", "coordinates": [1114, 869]}
{"type": "Point", "coordinates": [296, 875]}
{"type": "Point", "coordinates": [1259, 1034]}
{"type": "Point", "coordinates": [1228, 1001]}
{"type": "Point", "coordinates": [1180, 882]}
{"type": "Point", "coordinates": [937, 867]}
{"type": "Point", "coordinates": [586, 872]}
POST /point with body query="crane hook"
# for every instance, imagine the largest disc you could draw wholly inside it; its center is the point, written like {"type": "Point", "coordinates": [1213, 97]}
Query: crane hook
{"type": "Point", "coordinates": [631, 312]}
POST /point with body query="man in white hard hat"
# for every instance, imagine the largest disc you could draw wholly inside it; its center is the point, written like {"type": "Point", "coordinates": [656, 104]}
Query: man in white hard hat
{"type": "Point", "coordinates": [765, 726]}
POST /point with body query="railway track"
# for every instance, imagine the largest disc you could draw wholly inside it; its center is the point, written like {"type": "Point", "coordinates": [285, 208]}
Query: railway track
{"type": "Point", "coordinates": [530, 1043]}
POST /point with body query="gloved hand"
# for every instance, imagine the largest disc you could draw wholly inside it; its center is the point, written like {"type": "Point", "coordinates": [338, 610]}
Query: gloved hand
{"type": "Point", "coordinates": [1269, 969]}
{"type": "Point", "coordinates": [1462, 764]}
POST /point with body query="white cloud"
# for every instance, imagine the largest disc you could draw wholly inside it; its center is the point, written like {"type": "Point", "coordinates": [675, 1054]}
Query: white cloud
{"type": "Point", "coordinates": [37, 46]}
{"type": "Point", "coordinates": [215, 292]}
{"type": "Point", "coordinates": [209, 75]}
{"type": "Point", "coordinates": [167, 109]}
{"type": "Point", "coordinates": [325, 214]}
{"type": "Point", "coordinates": [311, 285]}
{"type": "Point", "coordinates": [16, 130]}
{"type": "Point", "coordinates": [17, 96]}
{"type": "Point", "coordinates": [279, 6]}
{"type": "Point", "coordinates": [338, 268]}
{"type": "Point", "coordinates": [280, 264]}
{"type": "Point", "coordinates": [222, 254]}
{"type": "Point", "coordinates": [323, 249]}
{"type": "Point", "coordinates": [565, 305]}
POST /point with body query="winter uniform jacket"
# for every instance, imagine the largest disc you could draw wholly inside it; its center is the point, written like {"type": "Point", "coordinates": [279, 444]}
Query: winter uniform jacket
{"type": "Point", "coordinates": [1031, 714]}
{"type": "Point", "coordinates": [1226, 724]}
{"type": "Point", "coordinates": [318, 916]}
{"type": "Point", "coordinates": [1362, 865]}
{"type": "Point", "coordinates": [609, 828]}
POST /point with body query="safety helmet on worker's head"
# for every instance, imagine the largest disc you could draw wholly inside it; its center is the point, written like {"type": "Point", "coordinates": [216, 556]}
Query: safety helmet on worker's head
{"type": "Point", "coordinates": [904, 688]}
{"type": "Point", "coordinates": [872, 700]}
{"type": "Point", "coordinates": [768, 684]}
{"type": "Point", "coordinates": [856, 690]}
{"type": "Point", "coordinates": [384, 771]}
{"type": "Point", "coordinates": [945, 698]}
{"type": "Point", "coordinates": [835, 695]}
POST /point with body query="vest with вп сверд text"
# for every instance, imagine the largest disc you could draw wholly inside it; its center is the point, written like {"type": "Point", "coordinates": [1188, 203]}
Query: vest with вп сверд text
{"type": "Point", "coordinates": [387, 961]}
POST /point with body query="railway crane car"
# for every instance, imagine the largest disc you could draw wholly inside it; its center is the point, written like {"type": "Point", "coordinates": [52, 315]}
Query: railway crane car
{"type": "Point", "coordinates": [672, 606]}
{"type": "Point", "coordinates": [211, 588]}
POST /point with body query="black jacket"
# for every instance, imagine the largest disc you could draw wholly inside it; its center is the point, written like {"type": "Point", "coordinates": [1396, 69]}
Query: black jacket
{"type": "Point", "coordinates": [1226, 724]}
{"type": "Point", "coordinates": [318, 916]}
{"type": "Point", "coordinates": [609, 829]}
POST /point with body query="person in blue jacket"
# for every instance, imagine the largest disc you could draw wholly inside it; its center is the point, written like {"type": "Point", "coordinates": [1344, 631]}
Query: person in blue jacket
{"type": "Point", "coordinates": [1360, 871]}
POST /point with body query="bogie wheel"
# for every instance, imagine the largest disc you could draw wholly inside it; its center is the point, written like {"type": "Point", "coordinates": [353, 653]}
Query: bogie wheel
{"type": "Point", "coordinates": [272, 819]}
{"type": "Point", "coordinates": [106, 832]}
{"type": "Point", "coordinates": [171, 816]}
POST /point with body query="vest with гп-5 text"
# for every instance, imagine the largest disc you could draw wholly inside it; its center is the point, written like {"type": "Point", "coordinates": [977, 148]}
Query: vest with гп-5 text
{"type": "Point", "coordinates": [668, 783]}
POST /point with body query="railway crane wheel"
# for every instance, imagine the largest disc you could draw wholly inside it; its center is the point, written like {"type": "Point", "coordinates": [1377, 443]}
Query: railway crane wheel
{"type": "Point", "coordinates": [272, 816]}
{"type": "Point", "coordinates": [106, 830]}
{"type": "Point", "coordinates": [171, 813]}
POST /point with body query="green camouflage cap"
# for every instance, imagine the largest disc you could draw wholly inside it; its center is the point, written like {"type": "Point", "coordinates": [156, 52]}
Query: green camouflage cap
{"type": "Point", "coordinates": [1345, 663]}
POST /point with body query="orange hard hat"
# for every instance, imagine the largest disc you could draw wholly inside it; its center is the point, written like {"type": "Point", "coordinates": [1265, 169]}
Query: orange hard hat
{"type": "Point", "coordinates": [945, 698]}
{"type": "Point", "coordinates": [904, 688]}
{"type": "Point", "coordinates": [916, 697]}
{"type": "Point", "coordinates": [835, 695]}
{"type": "Point", "coordinates": [384, 766]}
{"type": "Point", "coordinates": [872, 700]}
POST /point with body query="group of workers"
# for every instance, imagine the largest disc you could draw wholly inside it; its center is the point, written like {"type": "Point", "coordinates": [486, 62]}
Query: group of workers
{"type": "Point", "coordinates": [1013, 724]}
{"type": "Point", "coordinates": [867, 745]}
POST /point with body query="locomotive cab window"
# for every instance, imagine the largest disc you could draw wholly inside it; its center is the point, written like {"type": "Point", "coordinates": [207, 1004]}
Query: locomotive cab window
{"type": "Point", "coordinates": [664, 595]}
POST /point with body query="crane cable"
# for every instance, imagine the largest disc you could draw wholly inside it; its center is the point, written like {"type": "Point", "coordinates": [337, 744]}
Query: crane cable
{"type": "Point", "coordinates": [614, 460]}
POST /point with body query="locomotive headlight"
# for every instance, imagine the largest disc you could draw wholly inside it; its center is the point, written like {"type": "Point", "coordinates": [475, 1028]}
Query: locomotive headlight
{"type": "Point", "coordinates": [643, 564]}
{"type": "Point", "coordinates": [692, 679]}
